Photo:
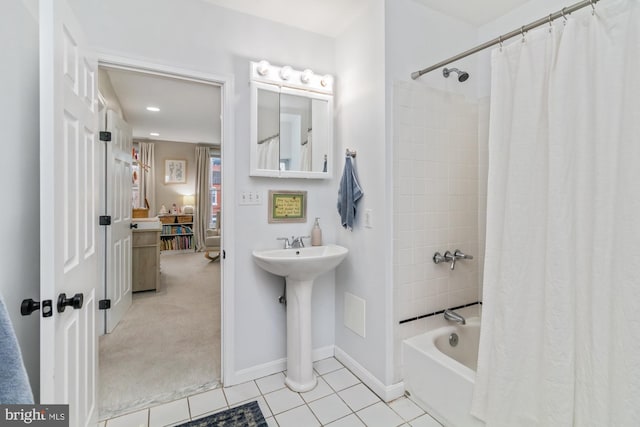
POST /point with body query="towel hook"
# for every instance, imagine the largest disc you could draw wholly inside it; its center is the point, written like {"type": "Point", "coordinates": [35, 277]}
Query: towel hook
{"type": "Point", "coordinates": [350, 153]}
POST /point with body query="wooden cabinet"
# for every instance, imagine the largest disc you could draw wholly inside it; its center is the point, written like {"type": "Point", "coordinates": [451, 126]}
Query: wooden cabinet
{"type": "Point", "coordinates": [145, 260]}
{"type": "Point", "coordinates": [177, 232]}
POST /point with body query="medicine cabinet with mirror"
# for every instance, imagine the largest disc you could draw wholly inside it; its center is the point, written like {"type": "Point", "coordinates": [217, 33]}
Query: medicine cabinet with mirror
{"type": "Point", "coordinates": [291, 123]}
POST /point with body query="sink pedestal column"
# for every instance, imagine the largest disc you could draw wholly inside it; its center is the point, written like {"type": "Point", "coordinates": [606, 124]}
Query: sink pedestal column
{"type": "Point", "coordinates": [300, 375]}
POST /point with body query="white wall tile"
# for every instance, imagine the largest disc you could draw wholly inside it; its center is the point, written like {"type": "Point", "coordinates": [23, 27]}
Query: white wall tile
{"type": "Point", "coordinates": [440, 151]}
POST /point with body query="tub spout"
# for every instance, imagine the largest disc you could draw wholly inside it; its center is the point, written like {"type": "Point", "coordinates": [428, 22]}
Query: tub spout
{"type": "Point", "coordinates": [454, 317]}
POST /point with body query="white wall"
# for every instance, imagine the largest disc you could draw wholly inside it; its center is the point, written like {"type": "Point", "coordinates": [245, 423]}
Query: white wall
{"type": "Point", "coordinates": [19, 253]}
{"type": "Point", "coordinates": [194, 35]}
{"type": "Point", "coordinates": [366, 272]}
{"type": "Point", "coordinates": [168, 194]}
{"type": "Point", "coordinates": [418, 37]}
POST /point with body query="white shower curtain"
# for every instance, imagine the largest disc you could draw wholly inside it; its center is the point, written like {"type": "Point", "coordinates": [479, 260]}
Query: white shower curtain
{"type": "Point", "coordinates": [269, 154]}
{"type": "Point", "coordinates": [560, 341]}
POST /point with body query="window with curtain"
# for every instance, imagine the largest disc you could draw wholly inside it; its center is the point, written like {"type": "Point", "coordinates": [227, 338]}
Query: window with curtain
{"type": "Point", "coordinates": [215, 190]}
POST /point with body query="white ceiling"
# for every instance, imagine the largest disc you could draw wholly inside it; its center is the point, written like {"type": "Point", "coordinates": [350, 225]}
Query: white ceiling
{"type": "Point", "coordinates": [189, 111]}
{"type": "Point", "coordinates": [327, 17]}
{"type": "Point", "coordinates": [332, 17]}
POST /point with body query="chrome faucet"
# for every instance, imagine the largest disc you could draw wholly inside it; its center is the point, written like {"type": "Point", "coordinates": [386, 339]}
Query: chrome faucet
{"type": "Point", "coordinates": [296, 242]}
{"type": "Point", "coordinates": [454, 317]}
{"type": "Point", "coordinates": [452, 257]}
{"type": "Point", "coordinates": [287, 243]}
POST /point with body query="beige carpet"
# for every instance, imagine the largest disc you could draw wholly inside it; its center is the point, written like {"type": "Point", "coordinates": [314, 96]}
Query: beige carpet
{"type": "Point", "coordinates": [168, 344]}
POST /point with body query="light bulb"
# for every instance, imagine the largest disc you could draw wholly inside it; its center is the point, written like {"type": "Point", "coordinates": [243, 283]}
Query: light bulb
{"type": "Point", "coordinates": [263, 68]}
{"type": "Point", "coordinates": [285, 72]}
{"type": "Point", "coordinates": [305, 77]}
{"type": "Point", "coordinates": [326, 80]}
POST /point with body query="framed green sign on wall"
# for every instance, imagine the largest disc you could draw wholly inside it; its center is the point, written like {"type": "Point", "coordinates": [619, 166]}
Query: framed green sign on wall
{"type": "Point", "coordinates": [287, 206]}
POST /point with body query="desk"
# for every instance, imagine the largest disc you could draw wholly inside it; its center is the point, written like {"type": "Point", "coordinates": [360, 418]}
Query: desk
{"type": "Point", "coordinates": [145, 260]}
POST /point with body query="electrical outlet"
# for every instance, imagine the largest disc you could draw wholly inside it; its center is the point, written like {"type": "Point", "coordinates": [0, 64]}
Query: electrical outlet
{"type": "Point", "coordinates": [250, 198]}
{"type": "Point", "coordinates": [368, 218]}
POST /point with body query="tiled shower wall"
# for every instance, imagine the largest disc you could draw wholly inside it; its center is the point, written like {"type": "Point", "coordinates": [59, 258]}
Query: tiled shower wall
{"type": "Point", "coordinates": [436, 203]}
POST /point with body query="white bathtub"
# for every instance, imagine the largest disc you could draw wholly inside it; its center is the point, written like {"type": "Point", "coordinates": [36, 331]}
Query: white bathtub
{"type": "Point", "coordinates": [440, 377]}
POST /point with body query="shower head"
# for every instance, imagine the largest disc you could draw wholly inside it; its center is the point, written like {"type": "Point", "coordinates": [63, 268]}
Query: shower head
{"type": "Point", "coordinates": [462, 75]}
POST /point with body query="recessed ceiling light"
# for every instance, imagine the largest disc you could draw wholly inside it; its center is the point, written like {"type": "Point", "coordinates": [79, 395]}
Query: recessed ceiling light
{"type": "Point", "coordinates": [154, 109]}
{"type": "Point", "coordinates": [154, 134]}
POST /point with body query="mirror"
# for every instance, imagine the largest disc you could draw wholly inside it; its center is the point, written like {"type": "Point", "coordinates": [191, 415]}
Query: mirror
{"type": "Point", "coordinates": [291, 132]}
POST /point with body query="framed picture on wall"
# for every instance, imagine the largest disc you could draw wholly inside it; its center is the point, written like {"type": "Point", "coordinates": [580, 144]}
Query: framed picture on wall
{"type": "Point", "coordinates": [175, 171]}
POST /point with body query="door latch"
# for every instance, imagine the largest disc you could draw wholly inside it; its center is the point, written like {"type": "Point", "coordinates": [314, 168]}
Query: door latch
{"type": "Point", "coordinates": [28, 306]}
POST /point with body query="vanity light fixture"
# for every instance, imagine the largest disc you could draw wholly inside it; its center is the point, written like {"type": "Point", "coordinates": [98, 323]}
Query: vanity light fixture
{"type": "Point", "coordinates": [287, 76]}
{"type": "Point", "coordinates": [306, 75]}
{"type": "Point", "coordinates": [154, 134]}
{"type": "Point", "coordinates": [285, 72]}
{"type": "Point", "coordinates": [153, 109]}
{"type": "Point", "coordinates": [263, 67]}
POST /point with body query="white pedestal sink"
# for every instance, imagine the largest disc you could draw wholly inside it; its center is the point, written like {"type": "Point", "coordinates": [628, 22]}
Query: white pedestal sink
{"type": "Point", "coordinates": [300, 267]}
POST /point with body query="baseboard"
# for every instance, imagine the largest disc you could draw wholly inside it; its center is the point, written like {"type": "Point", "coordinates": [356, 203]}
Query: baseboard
{"type": "Point", "coordinates": [384, 392]}
{"type": "Point", "coordinates": [275, 366]}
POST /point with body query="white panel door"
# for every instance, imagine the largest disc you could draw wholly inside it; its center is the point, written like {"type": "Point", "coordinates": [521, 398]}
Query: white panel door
{"type": "Point", "coordinates": [118, 181]}
{"type": "Point", "coordinates": [68, 213]}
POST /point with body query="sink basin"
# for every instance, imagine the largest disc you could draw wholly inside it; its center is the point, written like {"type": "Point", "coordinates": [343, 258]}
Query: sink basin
{"type": "Point", "coordinates": [300, 267]}
{"type": "Point", "coordinates": [302, 263]}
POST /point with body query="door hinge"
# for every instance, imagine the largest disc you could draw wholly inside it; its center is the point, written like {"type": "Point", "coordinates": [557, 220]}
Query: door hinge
{"type": "Point", "coordinates": [105, 219]}
{"type": "Point", "coordinates": [105, 136]}
{"type": "Point", "coordinates": [224, 254]}
{"type": "Point", "coordinates": [104, 304]}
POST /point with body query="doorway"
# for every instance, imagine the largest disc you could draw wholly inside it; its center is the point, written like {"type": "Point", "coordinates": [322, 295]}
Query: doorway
{"type": "Point", "coordinates": [168, 343]}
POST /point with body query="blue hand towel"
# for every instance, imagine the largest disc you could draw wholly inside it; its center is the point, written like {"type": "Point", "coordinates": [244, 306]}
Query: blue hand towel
{"type": "Point", "coordinates": [14, 383]}
{"type": "Point", "coordinates": [348, 194]}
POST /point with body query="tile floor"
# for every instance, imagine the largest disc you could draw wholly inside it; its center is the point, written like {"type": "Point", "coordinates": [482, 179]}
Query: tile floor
{"type": "Point", "coordinates": [339, 400]}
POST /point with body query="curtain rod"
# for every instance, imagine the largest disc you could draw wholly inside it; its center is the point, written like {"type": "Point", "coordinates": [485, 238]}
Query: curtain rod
{"type": "Point", "coordinates": [498, 40]}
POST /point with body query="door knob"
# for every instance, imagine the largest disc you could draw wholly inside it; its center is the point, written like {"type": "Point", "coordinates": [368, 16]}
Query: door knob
{"type": "Point", "coordinates": [132, 225]}
{"type": "Point", "coordinates": [75, 302]}
{"type": "Point", "coordinates": [28, 306]}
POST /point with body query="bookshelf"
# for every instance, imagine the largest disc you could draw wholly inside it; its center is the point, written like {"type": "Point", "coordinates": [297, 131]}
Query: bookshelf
{"type": "Point", "coordinates": [177, 232]}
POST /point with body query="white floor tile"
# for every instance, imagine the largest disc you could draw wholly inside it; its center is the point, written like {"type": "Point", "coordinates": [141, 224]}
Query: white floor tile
{"type": "Point", "coordinates": [169, 413]}
{"type": "Point", "coordinates": [325, 366]}
{"type": "Point", "coordinates": [206, 403]}
{"type": "Point", "coordinates": [271, 422]}
{"type": "Point", "coordinates": [358, 397]}
{"type": "Point", "coordinates": [379, 415]}
{"type": "Point", "coordinates": [341, 379]}
{"type": "Point", "coordinates": [283, 400]}
{"type": "Point", "coordinates": [350, 421]}
{"type": "Point", "coordinates": [329, 409]}
{"type": "Point", "coordinates": [298, 417]}
{"type": "Point", "coordinates": [264, 408]}
{"type": "Point", "coordinates": [425, 421]}
{"type": "Point", "coordinates": [241, 392]}
{"type": "Point", "coordinates": [136, 419]}
{"type": "Point", "coordinates": [271, 383]}
{"type": "Point", "coordinates": [321, 390]}
{"type": "Point", "coordinates": [406, 408]}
